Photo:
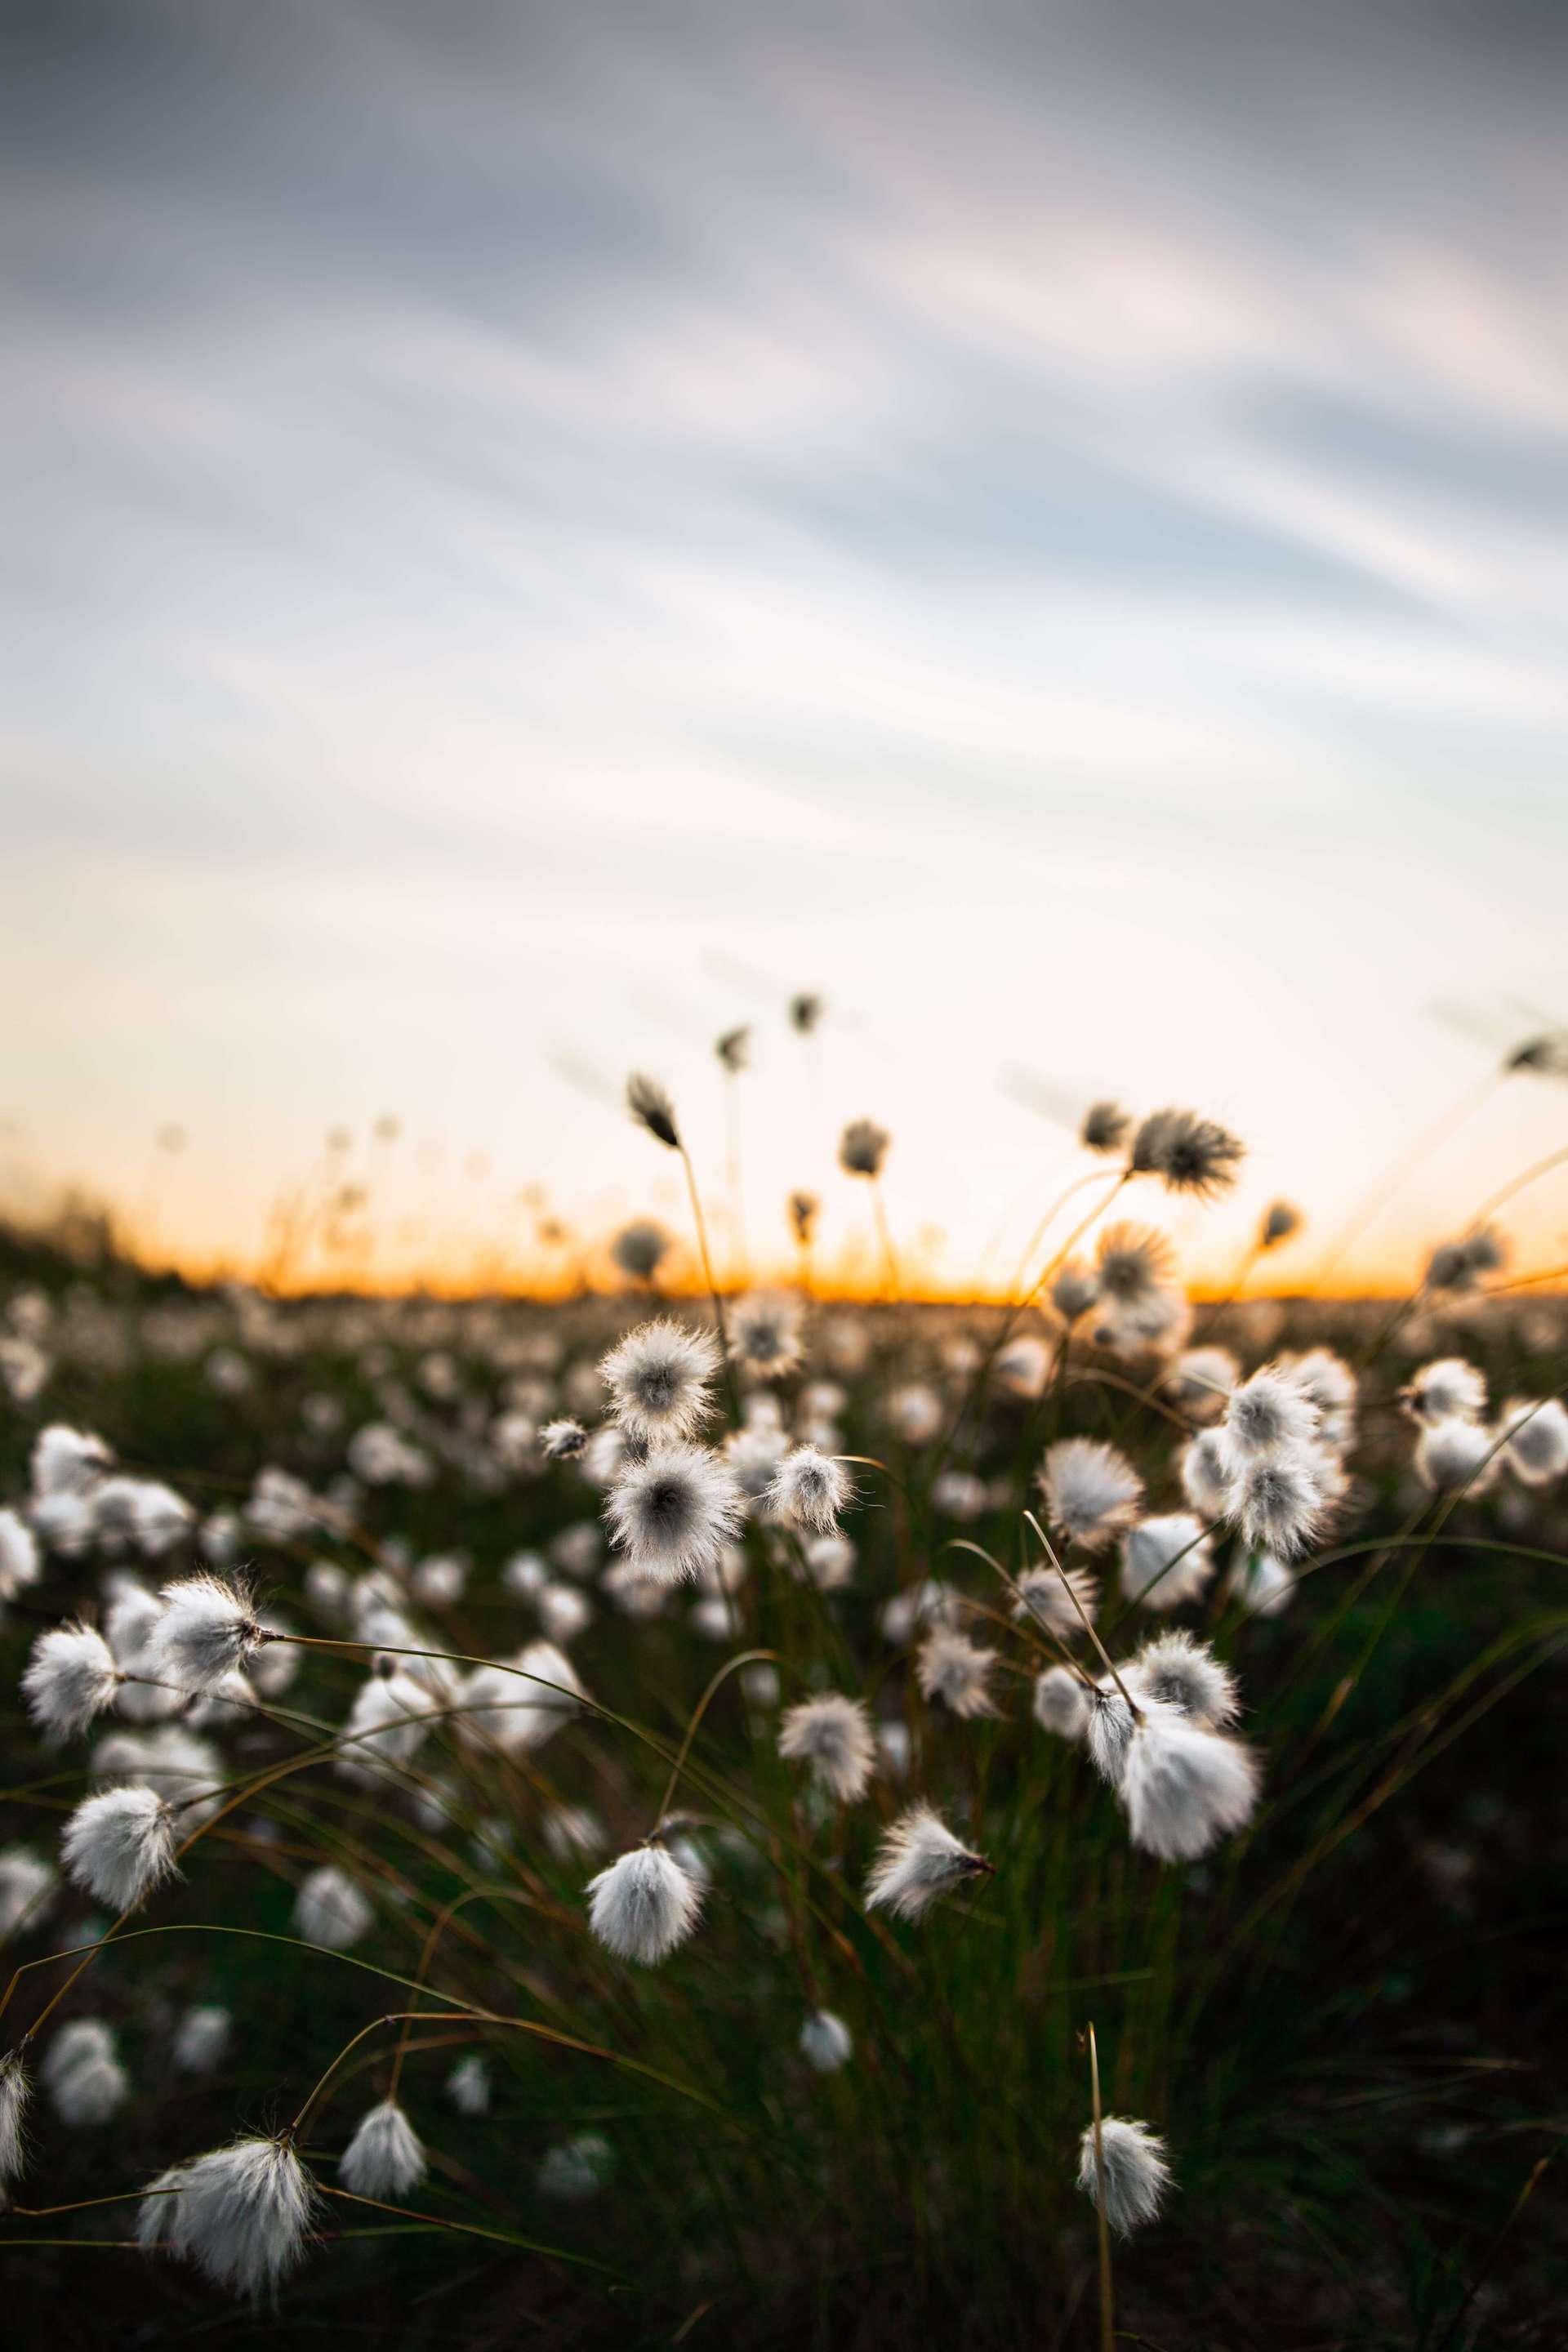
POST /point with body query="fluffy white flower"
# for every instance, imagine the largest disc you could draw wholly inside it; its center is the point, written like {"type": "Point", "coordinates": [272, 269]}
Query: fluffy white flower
{"type": "Point", "coordinates": [832, 1734]}
{"type": "Point", "coordinates": [1262, 1582]}
{"type": "Point", "coordinates": [672, 1515]}
{"type": "Point", "coordinates": [19, 1555]}
{"type": "Point", "coordinates": [1166, 1562]}
{"type": "Point", "coordinates": [1535, 1433]}
{"type": "Point", "coordinates": [1270, 1415]}
{"type": "Point", "coordinates": [643, 1905]}
{"type": "Point", "coordinates": [519, 1709]}
{"type": "Point", "coordinates": [765, 1335]}
{"type": "Point", "coordinates": [1447, 1389]}
{"type": "Point", "coordinates": [1183, 1788]}
{"type": "Point", "coordinates": [918, 1861]}
{"type": "Point", "coordinates": [1280, 1505]}
{"type": "Point", "coordinates": [70, 1678]}
{"type": "Point", "coordinates": [241, 2214]}
{"type": "Point", "coordinates": [330, 1909]}
{"type": "Point", "coordinates": [1183, 1672]}
{"type": "Point", "coordinates": [809, 1489]}
{"type": "Point", "coordinates": [915, 1412]}
{"type": "Point", "coordinates": [1041, 1597]}
{"type": "Point", "coordinates": [201, 2039]}
{"type": "Point", "coordinates": [1458, 1457]}
{"type": "Point", "coordinates": [66, 1461]}
{"type": "Point", "coordinates": [25, 1884]}
{"type": "Point", "coordinates": [826, 2041]}
{"type": "Point", "coordinates": [1136, 2173]}
{"type": "Point", "coordinates": [121, 1845]}
{"type": "Point", "coordinates": [952, 1668]}
{"type": "Point", "coordinates": [384, 2158]}
{"type": "Point", "coordinates": [207, 1629]}
{"type": "Point", "coordinates": [1205, 1476]}
{"type": "Point", "coordinates": [1061, 1702]}
{"type": "Point", "coordinates": [1201, 1381]}
{"type": "Point", "coordinates": [659, 1379]}
{"type": "Point", "coordinates": [82, 2073]}
{"type": "Point", "coordinates": [577, 2168]}
{"type": "Point", "coordinates": [1091, 1491]}
{"type": "Point", "coordinates": [469, 2086]}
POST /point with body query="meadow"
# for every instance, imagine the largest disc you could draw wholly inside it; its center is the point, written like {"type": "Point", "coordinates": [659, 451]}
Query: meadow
{"type": "Point", "coordinates": [743, 1818]}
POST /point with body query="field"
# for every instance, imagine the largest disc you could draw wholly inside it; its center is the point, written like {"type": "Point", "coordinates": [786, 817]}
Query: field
{"type": "Point", "coordinates": [804, 2089]}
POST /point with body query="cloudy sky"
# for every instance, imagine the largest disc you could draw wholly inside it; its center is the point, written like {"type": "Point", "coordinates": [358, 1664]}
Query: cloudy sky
{"type": "Point", "coordinates": [533, 532]}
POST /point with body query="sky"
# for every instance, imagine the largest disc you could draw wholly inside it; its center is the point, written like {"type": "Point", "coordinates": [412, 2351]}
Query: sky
{"type": "Point", "coordinates": [535, 532]}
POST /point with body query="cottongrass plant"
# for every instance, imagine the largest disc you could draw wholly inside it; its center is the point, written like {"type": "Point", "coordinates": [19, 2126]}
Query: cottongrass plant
{"type": "Point", "coordinates": [686, 1756]}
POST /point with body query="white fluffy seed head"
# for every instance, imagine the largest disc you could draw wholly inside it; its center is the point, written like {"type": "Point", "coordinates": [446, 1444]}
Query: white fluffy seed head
{"type": "Point", "coordinates": [826, 2041]}
{"type": "Point", "coordinates": [1183, 1787]}
{"type": "Point", "coordinates": [918, 1862]}
{"type": "Point", "coordinates": [809, 1489]}
{"type": "Point", "coordinates": [71, 1677]}
{"type": "Point", "coordinates": [1205, 1476]}
{"type": "Point", "coordinates": [1041, 1600]}
{"type": "Point", "coordinates": [577, 2168]}
{"type": "Point", "coordinates": [25, 1882]}
{"type": "Point", "coordinates": [207, 1629]}
{"type": "Point", "coordinates": [1108, 1731]}
{"type": "Point", "coordinates": [1166, 1562]}
{"type": "Point", "coordinates": [82, 2073]}
{"type": "Point", "coordinates": [1061, 1703]}
{"type": "Point", "coordinates": [955, 1670]}
{"type": "Point", "coordinates": [1136, 2172]}
{"type": "Point", "coordinates": [1268, 1416]}
{"type": "Point", "coordinates": [833, 1735]}
{"type": "Point", "coordinates": [1458, 1457]}
{"type": "Point", "coordinates": [1535, 1431]}
{"type": "Point", "coordinates": [1091, 1491]}
{"type": "Point", "coordinates": [15, 2091]}
{"type": "Point", "coordinates": [1201, 1381]}
{"type": "Point", "coordinates": [202, 2036]}
{"type": "Point", "coordinates": [1183, 1672]}
{"type": "Point", "coordinates": [385, 2156]}
{"type": "Point", "coordinates": [19, 1555]}
{"type": "Point", "coordinates": [643, 1905]}
{"type": "Point", "coordinates": [242, 2214]}
{"type": "Point", "coordinates": [119, 1845]}
{"type": "Point", "coordinates": [330, 1909]}
{"type": "Point", "coordinates": [1447, 1389]}
{"type": "Point", "coordinates": [765, 1335]}
{"type": "Point", "coordinates": [658, 1377]}
{"type": "Point", "coordinates": [1280, 1505]}
{"type": "Point", "coordinates": [673, 1514]}
{"type": "Point", "coordinates": [469, 2086]}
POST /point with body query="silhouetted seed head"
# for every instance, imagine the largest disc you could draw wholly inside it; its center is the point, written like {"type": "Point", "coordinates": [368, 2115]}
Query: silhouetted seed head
{"type": "Point", "coordinates": [1182, 1672]}
{"type": "Point", "coordinates": [384, 2158]}
{"type": "Point", "coordinates": [1183, 1787]}
{"type": "Point", "coordinates": [643, 1905]}
{"type": "Point", "coordinates": [70, 1678]}
{"type": "Point", "coordinates": [1136, 2173]}
{"type": "Point", "coordinates": [765, 1335]}
{"type": "Point", "coordinates": [241, 2214]}
{"type": "Point", "coordinates": [809, 1489]}
{"type": "Point", "coordinates": [1040, 1597]}
{"type": "Point", "coordinates": [1536, 1439]}
{"type": "Point", "coordinates": [1546, 1057]}
{"type": "Point", "coordinates": [1091, 1491]}
{"type": "Point", "coordinates": [1133, 1263]}
{"type": "Point", "coordinates": [15, 2091]}
{"type": "Point", "coordinates": [673, 1514]}
{"type": "Point", "coordinates": [803, 1209]}
{"type": "Point", "coordinates": [826, 2041]}
{"type": "Point", "coordinates": [1105, 1127]}
{"type": "Point", "coordinates": [1201, 1381]}
{"type": "Point", "coordinates": [1280, 1220]}
{"type": "Point", "coordinates": [1281, 1503]}
{"type": "Point", "coordinates": [734, 1050]}
{"type": "Point", "coordinates": [805, 1011]}
{"type": "Point", "coordinates": [119, 1845]}
{"type": "Point", "coordinates": [1188, 1153]}
{"type": "Point", "coordinates": [1074, 1290]}
{"type": "Point", "coordinates": [1447, 1389]}
{"type": "Point", "coordinates": [561, 1441]}
{"type": "Point", "coordinates": [918, 1862]}
{"type": "Point", "coordinates": [640, 1248]}
{"type": "Point", "coordinates": [953, 1669]}
{"type": "Point", "coordinates": [1166, 1561]}
{"type": "Point", "coordinates": [1458, 1457]}
{"type": "Point", "coordinates": [650, 1106]}
{"type": "Point", "coordinates": [1061, 1703]}
{"type": "Point", "coordinates": [1269, 1414]}
{"type": "Point", "coordinates": [863, 1147]}
{"type": "Point", "coordinates": [833, 1735]}
{"type": "Point", "coordinates": [207, 1629]}
{"type": "Point", "coordinates": [1459, 1265]}
{"type": "Point", "coordinates": [658, 1376]}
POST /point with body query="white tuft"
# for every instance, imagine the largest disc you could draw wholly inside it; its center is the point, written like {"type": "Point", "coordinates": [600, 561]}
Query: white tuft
{"type": "Point", "coordinates": [1136, 2173]}
{"type": "Point", "coordinates": [643, 1905]}
{"type": "Point", "coordinates": [385, 2156]}
{"type": "Point", "coordinates": [119, 1846]}
{"type": "Point", "coordinates": [834, 1736]}
{"type": "Point", "coordinates": [918, 1861]}
{"type": "Point", "coordinates": [826, 2041]}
